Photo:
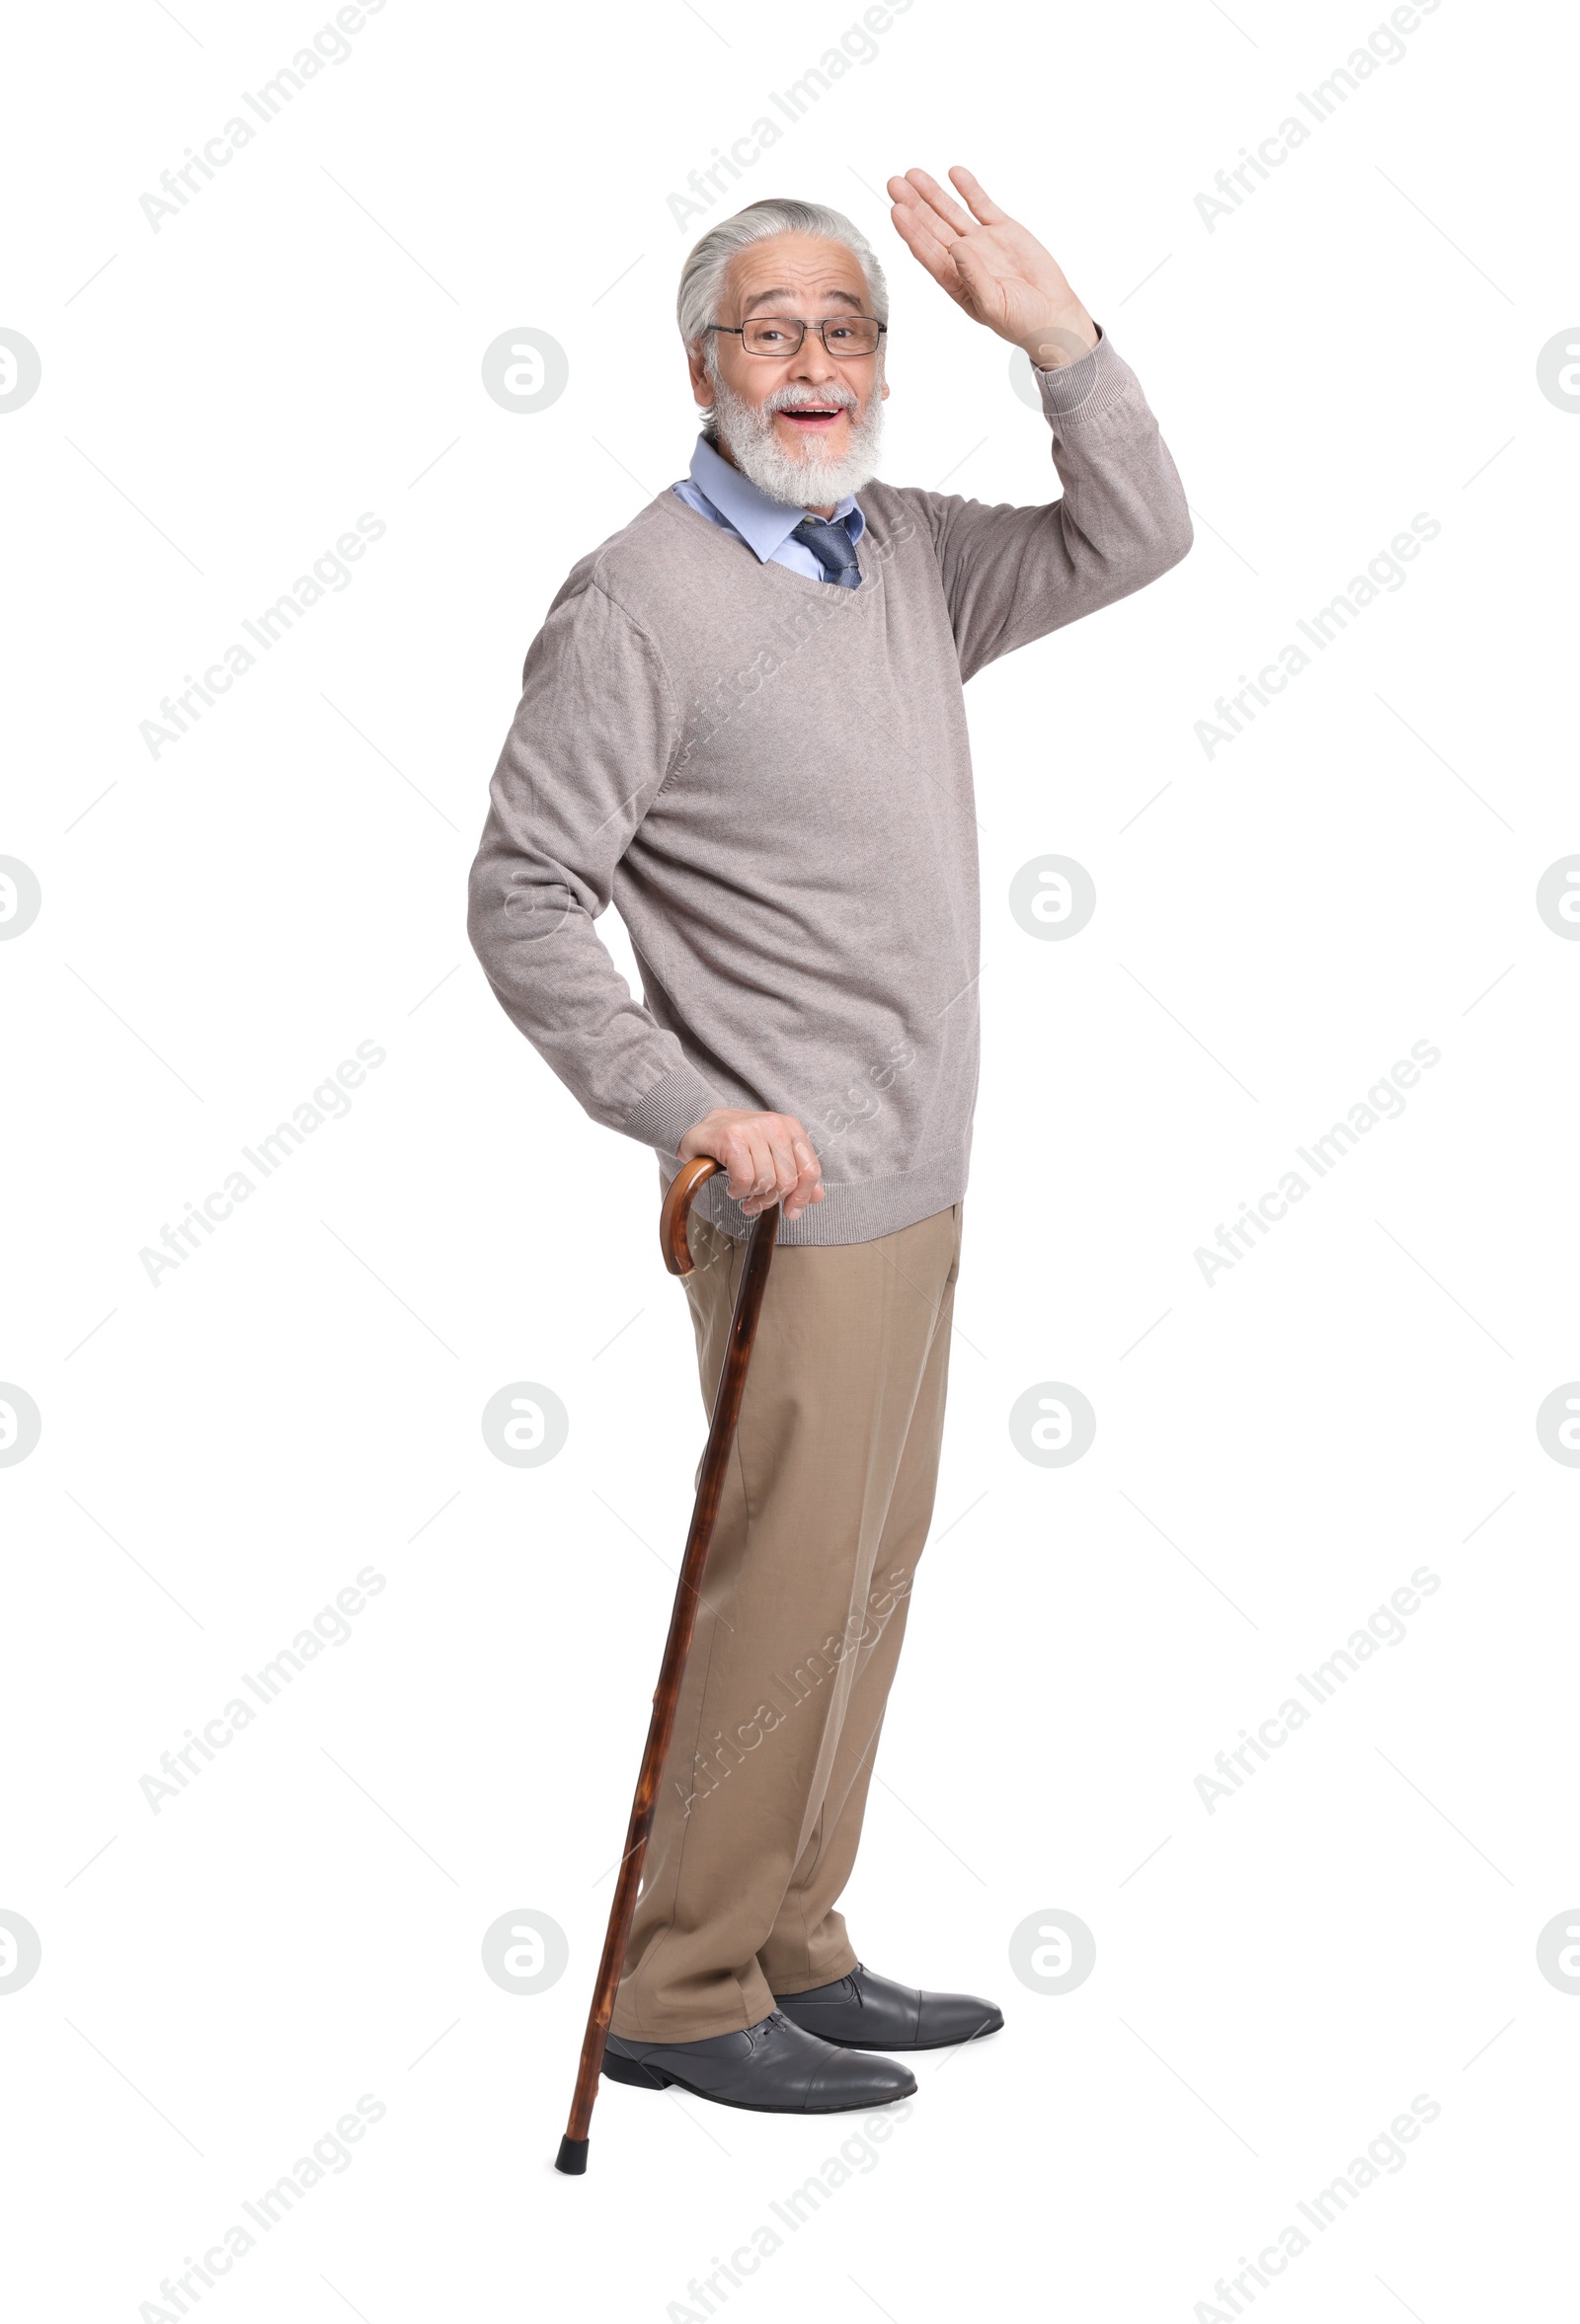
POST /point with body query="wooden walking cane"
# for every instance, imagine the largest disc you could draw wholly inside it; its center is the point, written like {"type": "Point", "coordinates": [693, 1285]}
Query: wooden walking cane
{"type": "Point", "coordinates": [677, 1259]}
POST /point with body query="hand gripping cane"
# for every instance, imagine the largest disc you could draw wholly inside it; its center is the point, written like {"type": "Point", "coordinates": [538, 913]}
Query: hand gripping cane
{"type": "Point", "coordinates": [677, 1259]}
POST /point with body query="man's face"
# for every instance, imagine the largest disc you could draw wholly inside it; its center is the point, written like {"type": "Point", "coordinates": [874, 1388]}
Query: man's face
{"type": "Point", "coordinates": [804, 427]}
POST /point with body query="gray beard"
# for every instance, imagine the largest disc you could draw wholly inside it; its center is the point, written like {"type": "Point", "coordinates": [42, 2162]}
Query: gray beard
{"type": "Point", "coordinates": [812, 481]}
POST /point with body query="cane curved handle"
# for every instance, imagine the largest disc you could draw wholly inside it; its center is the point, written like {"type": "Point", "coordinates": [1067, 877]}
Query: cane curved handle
{"type": "Point", "coordinates": [677, 1209]}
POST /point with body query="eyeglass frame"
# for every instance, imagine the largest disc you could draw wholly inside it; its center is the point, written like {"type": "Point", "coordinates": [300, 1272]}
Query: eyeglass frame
{"type": "Point", "coordinates": [761, 356]}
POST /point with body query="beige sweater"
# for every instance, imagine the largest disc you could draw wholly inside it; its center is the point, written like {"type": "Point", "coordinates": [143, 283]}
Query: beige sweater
{"type": "Point", "coordinates": [770, 779]}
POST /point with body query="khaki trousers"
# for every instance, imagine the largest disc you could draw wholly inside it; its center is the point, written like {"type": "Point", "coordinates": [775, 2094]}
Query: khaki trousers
{"type": "Point", "coordinates": [823, 1514]}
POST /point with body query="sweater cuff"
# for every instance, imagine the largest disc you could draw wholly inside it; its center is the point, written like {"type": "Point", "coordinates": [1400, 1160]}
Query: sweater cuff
{"type": "Point", "coordinates": [670, 1109]}
{"type": "Point", "coordinates": [1083, 390]}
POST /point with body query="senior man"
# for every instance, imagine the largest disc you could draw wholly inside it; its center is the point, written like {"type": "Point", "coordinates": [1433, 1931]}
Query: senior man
{"type": "Point", "coordinates": [743, 723]}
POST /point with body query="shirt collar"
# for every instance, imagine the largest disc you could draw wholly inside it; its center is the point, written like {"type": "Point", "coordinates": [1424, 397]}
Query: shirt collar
{"type": "Point", "coordinates": [762, 522]}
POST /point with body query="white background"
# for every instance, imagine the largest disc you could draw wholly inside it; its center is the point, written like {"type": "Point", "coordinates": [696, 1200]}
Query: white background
{"type": "Point", "coordinates": [1276, 1980]}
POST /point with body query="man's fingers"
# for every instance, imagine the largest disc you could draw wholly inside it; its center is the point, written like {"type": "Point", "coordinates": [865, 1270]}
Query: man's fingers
{"type": "Point", "coordinates": [982, 206]}
{"type": "Point", "coordinates": [938, 200]}
{"type": "Point", "coordinates": [796, 1171]}
{"type": "Point", "coordinates": [783, 1166]}
{"type": "Point", "coordinates": [798, 1165]}
{"type": "Point", "coordinates": [916, 229]}
{"type": "Point", "coordinates": [760, 1170]}
{"type": "Point", "coordinates": [767, 1158]}
{"type": "Point", "coordinates": [808, 1171]}
{"type": "Point", "coordinates": [925, 245]}
{"type": "Point", "coordinates": [921, 213]}
{"type": "Point", "coordinates": [745, 1158]}
{"type": "Point", "coordinates": [808, 1188]}
{"type": "Point", "coordinates": [809, 1184]}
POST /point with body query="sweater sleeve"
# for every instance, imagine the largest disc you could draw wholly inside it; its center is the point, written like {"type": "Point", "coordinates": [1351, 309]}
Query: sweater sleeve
{"type": "Point", "coordinates": [592, 742]}
{"type": "Point", "coordinates": [1012, 574]}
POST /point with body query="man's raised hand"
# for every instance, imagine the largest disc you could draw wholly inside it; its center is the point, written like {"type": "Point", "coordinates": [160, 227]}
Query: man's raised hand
{"type": "Point", "coordinates": [1000, 274]}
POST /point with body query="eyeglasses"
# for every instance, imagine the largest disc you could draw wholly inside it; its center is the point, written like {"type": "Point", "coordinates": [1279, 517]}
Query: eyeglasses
{"type": "Point", "coordinates": [782, 334]}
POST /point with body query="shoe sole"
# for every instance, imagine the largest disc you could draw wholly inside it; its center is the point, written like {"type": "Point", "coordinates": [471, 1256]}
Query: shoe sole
{"type": "Point", "coordinates": [652, 2077]}
{"type": "Point", "coordinates": [905, 2048]}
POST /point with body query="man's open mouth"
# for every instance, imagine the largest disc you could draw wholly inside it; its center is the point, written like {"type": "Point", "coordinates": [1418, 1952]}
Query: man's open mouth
{"type": "Point", "coordinates": [813, 416]}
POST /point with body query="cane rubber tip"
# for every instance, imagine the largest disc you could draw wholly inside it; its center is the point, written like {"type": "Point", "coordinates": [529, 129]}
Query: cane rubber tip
{"type": "Point", "coordinates": [572, 2156]}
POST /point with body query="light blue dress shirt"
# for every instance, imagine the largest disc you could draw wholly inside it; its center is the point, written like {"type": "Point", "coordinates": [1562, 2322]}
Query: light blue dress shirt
{"type": "Point", "coordinates": [735, 505]}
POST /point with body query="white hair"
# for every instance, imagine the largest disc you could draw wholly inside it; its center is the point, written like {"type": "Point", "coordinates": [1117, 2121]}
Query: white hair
{"type": "Point", "coordinates": [702, 277]}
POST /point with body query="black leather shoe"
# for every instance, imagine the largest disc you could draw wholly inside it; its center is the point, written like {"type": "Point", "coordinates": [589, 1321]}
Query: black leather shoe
{"type": "Point", "coordinates": [772, 2067]}
{"type": "Point", "coordinates": [865, 2012]}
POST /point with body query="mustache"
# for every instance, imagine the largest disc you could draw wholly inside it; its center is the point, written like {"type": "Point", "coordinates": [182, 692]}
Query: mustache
{"type": "Point", "coordinates": [790, 399]}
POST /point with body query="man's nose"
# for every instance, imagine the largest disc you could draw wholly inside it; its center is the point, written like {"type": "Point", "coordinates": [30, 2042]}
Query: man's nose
{"type": "Point", "coordinates": [812, 362]}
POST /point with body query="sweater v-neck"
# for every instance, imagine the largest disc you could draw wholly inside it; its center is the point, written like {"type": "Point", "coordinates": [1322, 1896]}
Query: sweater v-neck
{"type": "Point", "coordinates": [782, 574]}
